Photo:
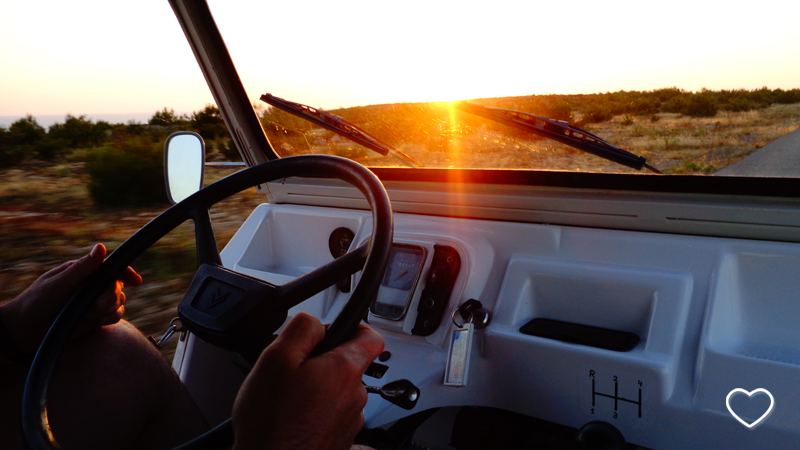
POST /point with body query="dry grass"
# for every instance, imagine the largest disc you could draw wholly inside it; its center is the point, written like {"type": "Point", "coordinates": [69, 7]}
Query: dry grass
{"type": "Point", "coordinates": [678, 144]}
{"type": "Point", "coordinates": [47, 217]}
{"type": "Point", "coordinates": [671, 142]}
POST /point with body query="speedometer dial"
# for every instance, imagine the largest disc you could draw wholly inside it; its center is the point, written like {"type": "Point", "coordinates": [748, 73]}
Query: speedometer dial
{"type": "Point", "coordinates": [397, 287]}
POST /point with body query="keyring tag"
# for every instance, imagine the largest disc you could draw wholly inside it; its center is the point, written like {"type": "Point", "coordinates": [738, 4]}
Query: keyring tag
{"type": "Point", "coordinates": [455, 373]}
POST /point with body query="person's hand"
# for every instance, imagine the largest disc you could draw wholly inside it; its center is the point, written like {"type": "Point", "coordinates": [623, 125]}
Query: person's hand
{"type": "Point", "coordinates": [29, 316]}
{"type": "Point", "coordinates": [293, 401]}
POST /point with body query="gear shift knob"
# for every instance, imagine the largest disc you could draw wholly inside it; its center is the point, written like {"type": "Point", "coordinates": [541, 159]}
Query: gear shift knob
{"type": "Point", "coordinates": [402, 393]}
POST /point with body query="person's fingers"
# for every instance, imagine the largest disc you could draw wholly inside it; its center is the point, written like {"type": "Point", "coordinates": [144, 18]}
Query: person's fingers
{"type": "Point", "coordinates": [110, 296]}
{"type": "Point", "coordinates": [120, 300]}
{"type": "Point", "coordinates": [114, 294]}
{"type": "Point", "coordinates": [98, 318]}
{"type": "Point", "coordinates": [130, 277]}
{"type": "Point", "coordinates": [74, 272]}
{"type": "Point", "coordinates": [106, 302]}
{"type": "Point", "coordinates": [362, 348]}
{"type": "Point", "coordinates": [300, 336]}
{"type": "Point", "coordinates": [85, 266]}
{"type": "Point", "coordinates": [105, 305]}
{"type": "Point", "coordinates": [111, 318]}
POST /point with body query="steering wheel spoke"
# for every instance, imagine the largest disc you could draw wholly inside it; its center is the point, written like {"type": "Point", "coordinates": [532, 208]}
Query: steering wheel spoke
{"type": "Point", "coordinates": [206, 241]}
{"type": "Point", "coordinates": [301, 288]}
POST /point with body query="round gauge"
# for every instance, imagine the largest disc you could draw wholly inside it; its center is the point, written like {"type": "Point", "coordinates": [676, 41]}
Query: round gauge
{"type": "Point", "coordinates": [399, 280]}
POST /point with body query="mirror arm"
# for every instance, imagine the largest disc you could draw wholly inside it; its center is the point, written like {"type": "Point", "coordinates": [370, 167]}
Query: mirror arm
{"type": "Point", "coordinates": [225, 164]}
{"type": "Point", "coordinates": [207, 252]}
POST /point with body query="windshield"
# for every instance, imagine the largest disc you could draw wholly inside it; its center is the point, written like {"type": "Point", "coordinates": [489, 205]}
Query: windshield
{"type": "Point", "coordinates": [690, 88]}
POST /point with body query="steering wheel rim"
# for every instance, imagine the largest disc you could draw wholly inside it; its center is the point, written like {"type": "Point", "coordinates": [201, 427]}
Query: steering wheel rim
{"type": "Point", "coordinates": [36, 430]}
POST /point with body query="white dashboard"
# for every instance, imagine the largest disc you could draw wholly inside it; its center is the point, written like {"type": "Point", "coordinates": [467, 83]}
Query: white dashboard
{"type": "Point", "coordinates": [711, 314]}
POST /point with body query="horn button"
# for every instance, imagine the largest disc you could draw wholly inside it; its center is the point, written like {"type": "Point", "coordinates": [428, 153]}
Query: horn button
{"type": "Point", "coordinates": [231, 310]}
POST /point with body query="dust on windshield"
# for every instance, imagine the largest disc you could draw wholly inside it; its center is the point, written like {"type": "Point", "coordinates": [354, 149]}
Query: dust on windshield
{"type": "Point", "coordinates": [677, 131]}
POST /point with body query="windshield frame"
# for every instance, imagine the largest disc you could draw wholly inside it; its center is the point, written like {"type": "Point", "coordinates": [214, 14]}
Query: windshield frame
{"type": "Point", "coordinates": [670, 184]}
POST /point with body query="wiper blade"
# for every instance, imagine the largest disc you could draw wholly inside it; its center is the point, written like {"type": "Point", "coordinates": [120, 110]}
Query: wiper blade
{"type": "Point", "coordinates": [339, 126]}
{"type": "Point", "coordinates": [560, 131]}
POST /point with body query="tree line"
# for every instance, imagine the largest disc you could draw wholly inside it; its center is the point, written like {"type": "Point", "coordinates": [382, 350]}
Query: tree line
{"type": "Point", "coordinates": [25, 139]}
{"type": "Point", "coordinates": [124, 161]}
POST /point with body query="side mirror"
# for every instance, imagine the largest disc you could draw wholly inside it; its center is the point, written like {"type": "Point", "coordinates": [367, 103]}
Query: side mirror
{"type": "Point", "coordinates": [184, 157]}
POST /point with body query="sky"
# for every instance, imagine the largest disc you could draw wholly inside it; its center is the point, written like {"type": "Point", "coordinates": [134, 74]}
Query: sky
{"type": "Point", "coordinates": [101, 57]}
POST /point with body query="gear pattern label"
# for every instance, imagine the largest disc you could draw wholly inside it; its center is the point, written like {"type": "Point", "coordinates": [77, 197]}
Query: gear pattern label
{"type": "Point", "coordinates": [616, 397]}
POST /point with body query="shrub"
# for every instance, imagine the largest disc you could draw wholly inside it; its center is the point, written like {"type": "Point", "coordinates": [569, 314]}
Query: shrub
{"type": "Point", "coordinates": [762, 97]}
{"type": "Point", "coordinates": [676, 104]}
{"type": "Point", "coordinates": [740, 105]}
{"type": "Point", "coordinates": [208, 123]}
{"type": "Point", "coordinates": [700, 105]}
{"type": "Point", "coordinates": [127, 172]}
{"type": "Point", "coordinates": [644, 105]}
{"type": "Point", "coordinates": [627, 120]}
{"type": "Point", "coordinates": [597, 114]}
{"type": "Point", "coordinates": [557, 109]}
{"type": "Point", "coordinates": [48, 148]}
{"type": "Point", "coordinates": [10, 154]}
{"type": "Point", "coordinates": [168, 118]}
{"type": "Point", "coordinates": [78, 132]}
{"type": "Point", "coordinates": [666, 94]}
{"type": "Point", "coordinates": [20, 141]}
{"type": "Point", "coordinates": [786, 97]}
{"type": "Point", "coordinates": [26, 131]}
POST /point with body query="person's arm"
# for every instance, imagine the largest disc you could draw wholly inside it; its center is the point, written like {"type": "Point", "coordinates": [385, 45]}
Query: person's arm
{"type": "Point", "coordinates": [27, 318]}
{"type": "Point", "coordinates": [293, 401]}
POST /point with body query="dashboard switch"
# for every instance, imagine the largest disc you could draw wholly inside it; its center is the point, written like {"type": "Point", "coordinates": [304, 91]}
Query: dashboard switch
{"type": "Point", "coordinates": [376, 370]}
{"type": "Point", "coordinates": [438, 287]}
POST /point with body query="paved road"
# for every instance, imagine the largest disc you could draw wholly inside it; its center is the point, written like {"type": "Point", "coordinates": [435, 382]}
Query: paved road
{"type": "Point", "coordinates": [779, 158]}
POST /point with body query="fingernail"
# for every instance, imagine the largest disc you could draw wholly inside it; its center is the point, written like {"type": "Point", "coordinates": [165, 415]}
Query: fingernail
{"type": "Point", "coordinates": [96, 251]}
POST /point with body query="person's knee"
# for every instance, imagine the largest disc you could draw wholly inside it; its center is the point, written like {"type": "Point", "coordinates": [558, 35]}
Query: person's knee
{"type": "Point", "coordinates": [118, 354]}
{"type": "Point", "coordinates": [111, 381]}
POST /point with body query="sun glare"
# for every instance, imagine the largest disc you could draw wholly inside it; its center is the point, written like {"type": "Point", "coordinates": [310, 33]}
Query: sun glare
{"type": "Point", "coordinates": [455, 147]}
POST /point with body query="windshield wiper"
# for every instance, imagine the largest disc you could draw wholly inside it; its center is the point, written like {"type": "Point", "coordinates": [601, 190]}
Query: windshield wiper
{"type": "Point", "coordinates": [560, 131]}
{"type": "Point", "coordinates": [339, 126]}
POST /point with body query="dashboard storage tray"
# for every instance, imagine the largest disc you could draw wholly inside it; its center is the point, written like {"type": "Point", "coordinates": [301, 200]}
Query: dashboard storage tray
{"type": "Point", "coordinates": [618, 341]}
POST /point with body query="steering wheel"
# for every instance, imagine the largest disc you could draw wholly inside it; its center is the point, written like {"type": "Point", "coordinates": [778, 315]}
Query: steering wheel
{"type": "Point", "coordinates": [374, 258]}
